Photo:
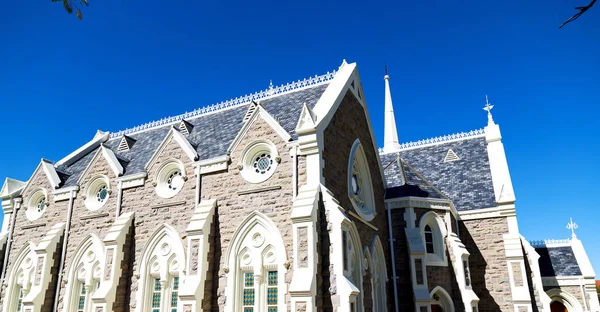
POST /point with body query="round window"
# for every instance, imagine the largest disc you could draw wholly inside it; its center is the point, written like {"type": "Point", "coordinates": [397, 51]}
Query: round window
{"type": "Point", "coordinates": [259, 161]}
{"type": "Point", "coordinates": [170, 180]}
{"type": "Point", "coordinates": [36, 206]}
{"type": "Point", "coordinates": [360, 189]}
{"type": "Point", "coordinates": [97, 194]}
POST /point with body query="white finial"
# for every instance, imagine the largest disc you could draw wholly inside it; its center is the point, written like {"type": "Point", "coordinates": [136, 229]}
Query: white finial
{"type": "Point", "coordinates": [488, 107]}
{"type": "Point", "coordinates": [572, 226]}
{"type": "Point", "coordinates": [390, 136]}
{"type": "Point", "coordinates": [271, 87]}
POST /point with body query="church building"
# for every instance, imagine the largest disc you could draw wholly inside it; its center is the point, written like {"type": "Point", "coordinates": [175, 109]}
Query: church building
{"type": "Point", "coordinates": [281, 201]}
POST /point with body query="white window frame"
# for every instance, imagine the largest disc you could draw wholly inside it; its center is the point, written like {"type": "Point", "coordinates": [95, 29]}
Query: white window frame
{"type": "Point", "coordinates": [162, 178]}
{"type": "Point", "coordinates": [31, 212]}
{"type": "Point", "coordinates": [85, 269]}
{"type": "Point", "coordinates": [91, 201]}
{"type": "Point", "coordinates": [363, 205]}
{"type": "Point", "coordinates": [438, 257]}
{"type": "Point", "coordinates": [163, 258]}
{"type": "Point", "coordinates": [20, 278]}
{"type": "Point", "coordinates": [256, 247]}
{"type": "Point", "coordinates": [249, 154]}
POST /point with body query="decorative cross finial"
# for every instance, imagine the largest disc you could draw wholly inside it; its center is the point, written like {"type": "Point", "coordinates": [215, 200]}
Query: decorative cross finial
{"type": "Point", "coordinates": [572, 226]}
{"type": "Point", "coordinates": [488, 107]}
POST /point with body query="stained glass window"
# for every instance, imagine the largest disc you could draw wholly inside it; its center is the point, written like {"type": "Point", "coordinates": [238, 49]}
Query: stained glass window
{"type": "Point", "coordinates": [174, 293]}
{"type": "Point", "coordinates": [248, 301]}
{"type": "Point", "coordinates": [262, 163]}
{"type": "Point", "coordinates": [102, 194]}
{"type": "Point", "coordinates": [156, 296]}
{"type": "Point", "coordinates": [81, 303]}
{"type": "Point", "coordinates": [272, 283]}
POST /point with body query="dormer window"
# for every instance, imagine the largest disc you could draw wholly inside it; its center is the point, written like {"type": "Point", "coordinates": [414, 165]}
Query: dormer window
{"type": "Point", "coordinates": [433, 231]}
{"type": "Point", "coordinates": [259, 161]}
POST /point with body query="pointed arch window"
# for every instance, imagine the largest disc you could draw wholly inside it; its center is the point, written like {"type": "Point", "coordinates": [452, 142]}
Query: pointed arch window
{"type": "Point", "coordinates": [429, 246]}
{"type": "Point", "coordinates": [84, 275]}
{"type": "Point", "coordinates": [433, 231]}
{"type": "Point", "coordinates": [257, 260]}
{"type": "Point", "coordinates": [20, 280]}
{"type": "Point", "coordinates": [161, 267]}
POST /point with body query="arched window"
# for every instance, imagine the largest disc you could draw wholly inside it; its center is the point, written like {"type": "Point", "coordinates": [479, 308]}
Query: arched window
{"type": "Point", "coordinates": [429, 240]}
{"type": "Point", "coordinates": [20, 280]}
{"type": "Point", "coordinates": [161, 270]}
{"type": "Point", "coordinates": [379, 275]}
{"type": "Point", "coordinates": [354, 267]}
{"type": "Point", "coordinates": [84, 275]}
{"type": "Point", "coordinates": [433, 232]}
{"type": "Point", "coordinates": [256, 267]}
{"type": "Point", "coordinates": [560, 299]}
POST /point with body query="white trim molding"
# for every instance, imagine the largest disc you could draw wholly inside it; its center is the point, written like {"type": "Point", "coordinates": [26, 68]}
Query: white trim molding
{"type": "Point", "coordinates": [486, 213]}
{"type": "Point", "coordinates": [185, 145]}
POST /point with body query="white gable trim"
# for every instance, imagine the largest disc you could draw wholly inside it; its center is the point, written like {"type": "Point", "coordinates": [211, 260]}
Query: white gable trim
{"type": "Point", "coordinates": [181, 140]}
{"type": "Point", "coordinates": [259, 111]}
{"type": "Point", "coordinates": [11, 187]}
{"type": "Point", "coordinates": [99, 138]}
{"type": "Point", "coordinates": [307, 121]}
{"type": "Point", "coordinates": [112, 160]}
{"type": "Point", "coordinates": [47, 167]}
{"type": "Point", "coordinates": [50, 173]}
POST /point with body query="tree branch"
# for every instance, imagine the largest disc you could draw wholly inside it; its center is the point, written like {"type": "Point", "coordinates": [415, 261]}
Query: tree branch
{"type": "Point", "coordinates": [582, 9]}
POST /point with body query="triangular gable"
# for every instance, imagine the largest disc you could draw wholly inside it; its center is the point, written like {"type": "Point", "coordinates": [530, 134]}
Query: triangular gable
{"type": "Point", "coordinates": [259, 111]}
{"type": "Point", "coordinates": [10, 187]}
{"type": "Point", "coordinates": [110, 158]}
{"type": "Point", "coordinates": [307, 120]}
{"type": "Point", "coordinates": [333, 96]}
{"type": "Point", "coordinates": [47, 167]}
{"type": "Point", "coordinates": [422, 178]}
{"type": "Point", "coordinates": [125, 144]}
{"type": "Point", "coordinates": [185, 127]}
{"type": "Point", "coordinates": [99, 138]}
{"type": "Point", "coordinates": [451, 156]}
{"type": "Point", "coordinates": [187, 147]}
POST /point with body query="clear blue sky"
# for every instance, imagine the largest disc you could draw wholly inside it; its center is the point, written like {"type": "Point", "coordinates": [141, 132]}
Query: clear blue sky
{"type": "Point", "coordinates": [129, 62]}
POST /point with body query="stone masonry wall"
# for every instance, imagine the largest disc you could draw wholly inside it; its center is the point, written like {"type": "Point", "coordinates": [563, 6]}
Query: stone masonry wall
{"type": "Point", "coordinates": [33, 231]}
{"type": "Point", "coordinates": [84, 221]}
{"type": "Point", "coordinates": [345, 127]}
{"type": "Point", "coordinates": [233, 208]}
{"type": "Point", "coordinates": [152, 211]}
{"type": "Point", "coordinates": [489, 271]}
{"type": "Point", "coordinates": [402, 262]}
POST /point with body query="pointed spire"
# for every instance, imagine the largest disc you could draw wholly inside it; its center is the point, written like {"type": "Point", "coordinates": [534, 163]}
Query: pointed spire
{"type": "Point", "coordinates": [572, 226]}
{"type": "Point", "coordinates": [390, 138]}
{"type": "Point", "coordinates": [488, 107]}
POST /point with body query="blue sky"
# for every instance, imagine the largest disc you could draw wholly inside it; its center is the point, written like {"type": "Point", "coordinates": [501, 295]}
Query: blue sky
{"type": "Point", "coordinates": [130, 62]}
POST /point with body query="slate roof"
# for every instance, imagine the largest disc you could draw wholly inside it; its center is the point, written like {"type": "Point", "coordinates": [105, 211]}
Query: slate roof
{"type": "Point", "coordinates": [467, 181]}
{"type": "Point", "coordinates": [558, 261]}
{"type": "Point", "coordinates": [404, 180]}
{"type": "Point", "coordinates": [211, 135]}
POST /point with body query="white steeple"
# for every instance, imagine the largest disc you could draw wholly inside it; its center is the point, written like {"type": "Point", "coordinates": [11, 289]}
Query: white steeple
{"type": "Point", "coordinates": [390, 138]}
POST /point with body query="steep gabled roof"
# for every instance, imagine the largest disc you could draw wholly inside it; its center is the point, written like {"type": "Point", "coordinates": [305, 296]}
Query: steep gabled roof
{"type": "Point", "coordinates": [404, 180]}
{"type": "Point", "coordinates": [558, 261]}
{"type": "Point", "coordinates": [211, 133]}
{"type": "Point", "coordinates": [466, 181]}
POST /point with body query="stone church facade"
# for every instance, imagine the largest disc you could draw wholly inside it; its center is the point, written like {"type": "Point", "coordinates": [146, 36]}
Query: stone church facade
{"type": "Point", "coordinates": [281, 201]}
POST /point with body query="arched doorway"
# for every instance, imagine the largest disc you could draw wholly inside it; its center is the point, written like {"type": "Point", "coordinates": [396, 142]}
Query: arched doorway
{"type": "Point", "coordinates": [441, 300]}
{"type": "Point", "coordinates": [438, 308]}
{"type": "Point", "coordinates": [557, 306]}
